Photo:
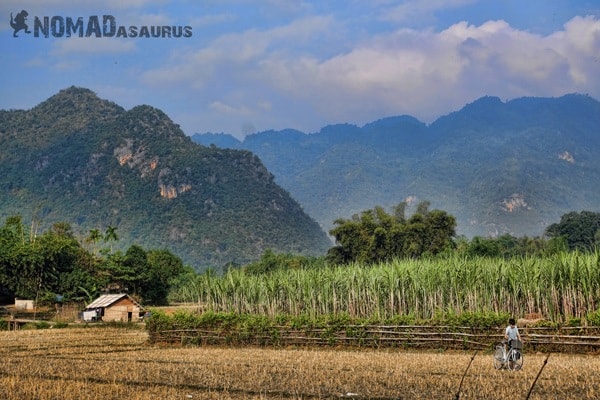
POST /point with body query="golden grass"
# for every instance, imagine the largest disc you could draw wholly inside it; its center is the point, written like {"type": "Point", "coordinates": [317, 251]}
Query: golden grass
{"type": "Point", "coordinates": [111, 363]}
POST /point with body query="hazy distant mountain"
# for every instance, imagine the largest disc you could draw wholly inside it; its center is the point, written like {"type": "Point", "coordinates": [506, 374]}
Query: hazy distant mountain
{"type": "Point", "coordinates": [83, 160]}
{"type": "Point", "coordinates": [499, 167]}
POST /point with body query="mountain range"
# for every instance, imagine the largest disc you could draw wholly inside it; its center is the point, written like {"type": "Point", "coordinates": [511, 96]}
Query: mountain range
{"type": "Point", "coordinates": [86, 161]}
{"type": "Point", "coordinates": [500, 167]}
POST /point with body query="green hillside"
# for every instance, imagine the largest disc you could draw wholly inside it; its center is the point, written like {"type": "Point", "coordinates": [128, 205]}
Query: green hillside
{"type": "Point", "coordinates": [500, 167]}
{"type": "Point", "coordinates": [83, 160]}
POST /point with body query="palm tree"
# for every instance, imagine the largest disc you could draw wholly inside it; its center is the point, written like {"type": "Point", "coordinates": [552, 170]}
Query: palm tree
{"type": "Point", "coordinates": [111, 235]}
{"type": "Point", "coordinates": [93, 238]}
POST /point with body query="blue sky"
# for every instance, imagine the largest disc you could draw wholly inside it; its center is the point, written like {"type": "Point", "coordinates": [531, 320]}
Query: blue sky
{"type": "Point", "coordinates": [274, 64]}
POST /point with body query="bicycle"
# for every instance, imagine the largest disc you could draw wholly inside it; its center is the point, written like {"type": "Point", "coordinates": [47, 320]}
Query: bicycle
{"type": "Point", "coordinates": [511, 359]}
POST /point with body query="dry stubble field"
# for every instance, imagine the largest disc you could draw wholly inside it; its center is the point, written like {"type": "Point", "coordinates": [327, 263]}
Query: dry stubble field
{"type": "Point", "coordinates": [113, 363]}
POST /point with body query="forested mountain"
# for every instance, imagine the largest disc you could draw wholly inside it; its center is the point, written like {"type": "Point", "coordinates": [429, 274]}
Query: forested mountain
{"type": "Point", "coordinates": [500, 167]}
{"type": "Point", "coordinates": [79, 159]}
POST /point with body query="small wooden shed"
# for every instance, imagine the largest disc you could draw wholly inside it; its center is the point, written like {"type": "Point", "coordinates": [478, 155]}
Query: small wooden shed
{"type": "Point", "coordinates": [21, 304]}
{"type": "Point", "coordinates": [113, 307]}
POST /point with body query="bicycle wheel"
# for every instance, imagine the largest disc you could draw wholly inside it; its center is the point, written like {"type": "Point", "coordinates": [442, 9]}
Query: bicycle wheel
{"type": "Point", "coordinates": [515, 360]}
{"type": "Point", "coordinates": [499, 357]}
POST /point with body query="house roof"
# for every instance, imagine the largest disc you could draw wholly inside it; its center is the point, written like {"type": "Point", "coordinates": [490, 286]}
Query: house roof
{"type": "Point", "coordinates": [107, 300]}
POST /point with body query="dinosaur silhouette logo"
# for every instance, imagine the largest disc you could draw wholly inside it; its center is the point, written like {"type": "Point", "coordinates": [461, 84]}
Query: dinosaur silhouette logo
{"type": "Point", "coordinates": [18, 23]}
{"type": "Point", "coordinates": [98, 26]}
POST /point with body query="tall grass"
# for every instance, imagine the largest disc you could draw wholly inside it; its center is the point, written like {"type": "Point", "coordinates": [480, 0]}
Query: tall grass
{"type": "Point", "coordinates": [561, 287]}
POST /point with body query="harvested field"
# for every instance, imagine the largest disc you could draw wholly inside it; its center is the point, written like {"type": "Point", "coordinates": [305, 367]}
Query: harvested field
{"type": "Point", "coordinates": [115, 363]}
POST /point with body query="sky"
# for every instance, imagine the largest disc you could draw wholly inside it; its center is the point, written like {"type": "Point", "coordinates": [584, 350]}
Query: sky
{"type": "Point", "coordinates": [242, 66]}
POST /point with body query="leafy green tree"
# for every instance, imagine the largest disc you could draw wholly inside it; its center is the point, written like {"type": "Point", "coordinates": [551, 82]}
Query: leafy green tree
{"type": "Point", "coordinates": [166, 264]}
{"type": "Point", "coordinates": [581, 230]}
{"type": "Point", "coordinates": [146, 275]}
{"type": "Point", "coordinates": [400, 211]}
{"type": "Point", "coordinates": [11, 235]}
{"type": "Point", "coordinates": [21, 268]}
{"type": "Point", "coordinates": [414, 242]}
{"type": "Point", "coordinates": [354, 238]}
{"type": "Point", "coordinates": [440, 229]}
{"type": "Point", "coordinates": [163, 270]}
{"type": "Point", "coordinates": [375, 235]}
{"type": "Point", "coordinates": [56, 253]}
{"type": "Point", "coordinates": [43, 266]}
{"type": "Point", "coordinates": [136, 270]}
{"type": "Point", "coordinates": [485, 247]}
{"type": "Point", "coordinates": [117, 275]}
{"type": "Point", "coordinates": [37, 266]}
{"type": "Point", "coordinates": [423, 208]}
{"type": "Point", "coordinates": [556, 245]}
{"type": "Point", "coordinates": [126, 272]}
{"type": "Point", "coordinates": [270, 261]}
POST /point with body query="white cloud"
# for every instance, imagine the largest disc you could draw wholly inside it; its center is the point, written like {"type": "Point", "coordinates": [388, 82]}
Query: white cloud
{"type": "Point", "coordinates": [36, 62]}
{"type": "Point", "coordinates": [65, 66]}
{"type": "Point", "coordinates": [236, 55]}
{"type": "Point", "coordinates": [422, 73]}
{"type": "Point", "coordinates": [580, 43]}
{"type": "Point", "coordinates": [425, 73]}
{"type": "Point", "coordinates": [411, 10]}
{"type": "Point", "coordinates": [228, 109]}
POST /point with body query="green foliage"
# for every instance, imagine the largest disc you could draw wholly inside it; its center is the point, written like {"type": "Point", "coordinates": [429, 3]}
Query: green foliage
{"type": "Point", "coordinates": [145, 275]}
{"type": "Point", "coordinates": [407, 319]}
{"type": "Point", "coordinates": [42, 266]}
{"type": "Point", "coordinates": [121, 178]}
{"type": "Point", "coordinates": [474, 289]}
{"type": "Point", "coordinates": [159, 321]}
{"type": "Point", "coordinates": [270, 262]}
{"type": "Point", "coordinates": [238, 327]}
{"type": "Point", "coordinates": [42, 325]}
{"type": "Point", "coordinates": [31, 266]}
{"type": "Point", "coordinates": [507, 246]}
{"type": "Point", "coordinates": [593, 317]}
{"type": "Point", "coordinates": [376, 236]}
{"type": "Point", "coordinates": [483, 247]}
{"type": "Point", "coordinates": [180, 288]}
{"type": "Point", "coordinates": [581, 231]}
{"type": "Point", "coordinates": [185, 319]}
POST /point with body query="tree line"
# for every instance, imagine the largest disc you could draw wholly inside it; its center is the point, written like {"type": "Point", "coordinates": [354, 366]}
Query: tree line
{"type": "Point", "coordinates": [376, 235]}
{"type": "Point", "coordinates": [55, 262]}
{"type": "Point", "coordinates": [54, 265]}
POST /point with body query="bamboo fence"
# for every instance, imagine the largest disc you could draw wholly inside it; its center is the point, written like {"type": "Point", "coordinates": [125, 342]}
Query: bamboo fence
{"type": "Point", "coordinates": [545, 339]}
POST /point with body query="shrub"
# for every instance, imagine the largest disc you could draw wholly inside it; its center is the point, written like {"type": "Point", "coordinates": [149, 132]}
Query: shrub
{"type": "Point", "coordinates": [593, 318]}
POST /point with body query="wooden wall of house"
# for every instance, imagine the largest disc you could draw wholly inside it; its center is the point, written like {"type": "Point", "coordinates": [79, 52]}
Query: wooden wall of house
{"type": "Point", "coordinates": [123, 310]}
